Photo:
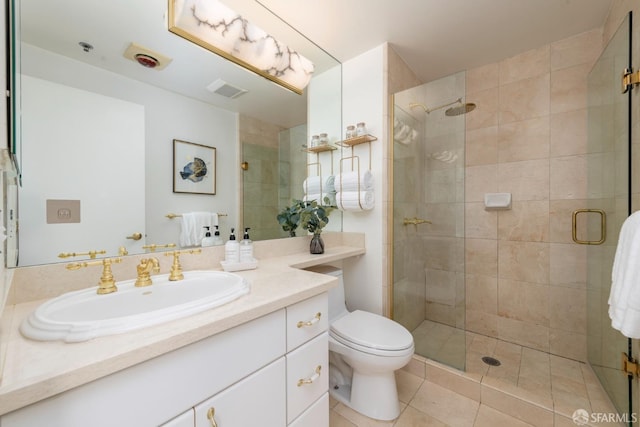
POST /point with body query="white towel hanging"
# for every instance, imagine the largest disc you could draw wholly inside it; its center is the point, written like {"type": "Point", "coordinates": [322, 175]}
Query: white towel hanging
{"type": "Point", "coordinates": [624, 298]}
{"type": "Point", "coordinates": [193, 224]}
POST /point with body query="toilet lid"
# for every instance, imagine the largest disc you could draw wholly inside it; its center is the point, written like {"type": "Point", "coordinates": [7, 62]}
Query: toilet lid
{"type": "Point", "coordinates": [373, 331]}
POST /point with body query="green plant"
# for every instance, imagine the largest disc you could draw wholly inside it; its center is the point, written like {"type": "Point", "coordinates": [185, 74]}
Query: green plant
{"type": "Point", "coordinates": [308, 215]}
{"type": "Point", "coordinates": [313, 217]}
{"type": "Point", "coordinates": [289, 217]}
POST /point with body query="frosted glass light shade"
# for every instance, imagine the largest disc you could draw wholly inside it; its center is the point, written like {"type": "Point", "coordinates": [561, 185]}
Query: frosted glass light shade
{"type": "Point", "coordinates": [216, 27]}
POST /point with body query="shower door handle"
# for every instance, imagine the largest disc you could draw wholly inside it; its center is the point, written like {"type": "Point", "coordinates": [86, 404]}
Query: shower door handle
{"type": "Point", "coordinates": [603, 226]}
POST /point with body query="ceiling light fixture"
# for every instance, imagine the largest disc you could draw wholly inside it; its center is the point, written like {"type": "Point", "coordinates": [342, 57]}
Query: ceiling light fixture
{"type": "Point", "coordinates": [215, 27]}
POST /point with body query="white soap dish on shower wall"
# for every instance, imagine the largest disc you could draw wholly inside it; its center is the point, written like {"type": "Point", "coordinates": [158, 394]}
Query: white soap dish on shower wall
{"type": "Point", "coordinates": [497, 201]}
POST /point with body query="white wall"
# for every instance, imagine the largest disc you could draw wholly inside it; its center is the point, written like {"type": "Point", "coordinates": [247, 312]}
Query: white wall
{"type": "Point", "coordinates": [365, 100]}
{"type": "Point", "coordinates": [168, 116]}
{"type": "Point", "coordinates": [324, 107]}
{"type": "Point", "coordinates": [70, 137]}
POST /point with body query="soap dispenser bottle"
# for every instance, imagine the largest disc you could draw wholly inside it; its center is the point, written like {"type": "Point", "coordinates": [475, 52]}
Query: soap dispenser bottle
{"type": "Point", "coordinates": [207, 240]}
{"type": "Point", "coordinates": [246, 247]}
{"type": "Point", "coordinates": [232, 249]}
{"type": "Point", "coordinates": [217, 240]}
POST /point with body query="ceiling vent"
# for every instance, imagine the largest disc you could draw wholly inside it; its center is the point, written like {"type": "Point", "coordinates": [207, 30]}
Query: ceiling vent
{"type": "Point", "coordinates": [222, 88]}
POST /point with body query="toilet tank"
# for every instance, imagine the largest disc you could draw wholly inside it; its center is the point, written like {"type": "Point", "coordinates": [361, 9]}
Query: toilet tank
{"type": "Point", "coordinates": [337, 304]}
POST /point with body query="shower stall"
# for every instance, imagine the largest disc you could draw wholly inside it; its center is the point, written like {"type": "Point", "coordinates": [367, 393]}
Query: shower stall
{"type": "Point", "coordinates": [428, 217]}
{"type": "Point", "coordinates": [534, 288]}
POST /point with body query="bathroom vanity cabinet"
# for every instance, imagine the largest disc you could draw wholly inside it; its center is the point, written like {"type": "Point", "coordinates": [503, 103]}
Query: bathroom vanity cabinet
{"type": "Point", "coordinates": [271, 371]}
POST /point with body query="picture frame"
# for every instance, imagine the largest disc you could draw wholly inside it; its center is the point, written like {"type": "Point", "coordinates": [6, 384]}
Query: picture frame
{"type": "Point", "coordinates": [194, 168]}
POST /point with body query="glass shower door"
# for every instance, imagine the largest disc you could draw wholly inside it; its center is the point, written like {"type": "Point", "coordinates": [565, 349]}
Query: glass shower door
{"type": "Point", "coordinates": [428, 218]}
{"type": "Point", "coordinates": [608, 189]}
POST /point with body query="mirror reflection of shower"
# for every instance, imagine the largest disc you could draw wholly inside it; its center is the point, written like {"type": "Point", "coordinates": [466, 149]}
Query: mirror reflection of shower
{"type": "Point", "coordinates": [458, 108]}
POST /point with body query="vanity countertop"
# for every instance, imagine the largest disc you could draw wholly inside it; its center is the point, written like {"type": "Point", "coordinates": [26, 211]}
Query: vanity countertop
{"type": "Point", "coordinates": [33, 370]}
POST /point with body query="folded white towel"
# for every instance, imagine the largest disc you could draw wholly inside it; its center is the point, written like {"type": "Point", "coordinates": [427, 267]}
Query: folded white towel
{"type": "Point", "coordinates": [624, 298]}
{"type": "Point", "coordinates": [355, 200]}
{"type": "Point", "coordinates": [193, 224]}
{"type": "Point", "coordinates": [311, 185]}
{"type": "Point", "coordinates": [349, 181]}
{"type": "Point", "coordinates": [320, 198]}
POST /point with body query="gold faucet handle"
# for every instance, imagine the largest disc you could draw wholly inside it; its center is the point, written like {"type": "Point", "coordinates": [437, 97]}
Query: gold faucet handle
{"type": "Point", "coordinates": [90, 254]}
{"type": "Point", "coordinates": [107, 281]}
{"type": "Point", "coordinates": [146, 266]}
{"type": "Point", "coordinates": [153, 247]}
{"type": "Point", "coordinates": [176, 269]}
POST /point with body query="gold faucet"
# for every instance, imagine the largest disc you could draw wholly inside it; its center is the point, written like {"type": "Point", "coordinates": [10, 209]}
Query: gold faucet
{"type": "Point", "coordinates": [107, 282]}
{"type": "Point", "coordinates": [176, 268]}
{"type": "Point", "coordinates": [144, 269]}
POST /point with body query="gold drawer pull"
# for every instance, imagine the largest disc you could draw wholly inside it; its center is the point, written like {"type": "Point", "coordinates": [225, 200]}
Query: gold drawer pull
{"type": "Point", "coordinates": [210, 416]}
{"type": "Point", "coordinates": [311, 322]}
{"type": "Point", "coordinates": [311, 379]}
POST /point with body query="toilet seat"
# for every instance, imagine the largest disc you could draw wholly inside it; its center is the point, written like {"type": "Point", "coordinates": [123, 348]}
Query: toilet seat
{"type": "Point", "coordinates": [373, 334]}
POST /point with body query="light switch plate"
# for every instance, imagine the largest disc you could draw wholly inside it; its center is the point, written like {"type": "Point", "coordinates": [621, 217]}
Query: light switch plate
{"type": "Point", "coordinates": [63, 211]}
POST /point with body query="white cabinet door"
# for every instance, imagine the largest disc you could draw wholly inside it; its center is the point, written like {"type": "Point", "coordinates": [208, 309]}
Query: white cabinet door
{"type": "Point", "coordinates": [258, 400]}
{"type": "Point", "coordinates": [186, 419]}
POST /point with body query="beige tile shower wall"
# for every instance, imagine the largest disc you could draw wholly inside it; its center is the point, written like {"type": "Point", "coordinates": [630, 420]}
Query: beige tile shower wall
{"type": "Point", "coordinates": [525, 278]}
{"type": "Point", "coordinates": [259, 141]}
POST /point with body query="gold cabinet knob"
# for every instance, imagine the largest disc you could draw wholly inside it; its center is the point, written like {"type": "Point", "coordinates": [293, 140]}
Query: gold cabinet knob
{"type": "Point", "coordinates": [135, 236]}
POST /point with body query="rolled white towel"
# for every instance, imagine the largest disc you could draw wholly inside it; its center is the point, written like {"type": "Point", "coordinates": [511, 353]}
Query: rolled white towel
{"type": "Point", "coordinates": [355, 200]}
{"type": "Point", "coordinates": [348, 181]}
{"type": "Point", "coordinates": [311, 185]}
{"type": "Point", "coordinates": [320, 198]}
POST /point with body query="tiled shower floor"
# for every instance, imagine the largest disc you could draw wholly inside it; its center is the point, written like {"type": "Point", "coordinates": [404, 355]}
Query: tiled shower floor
{"type": "Point", "coordinates": [555, 385]}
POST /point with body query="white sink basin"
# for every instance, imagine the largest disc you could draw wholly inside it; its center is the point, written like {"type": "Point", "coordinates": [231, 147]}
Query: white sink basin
{"type": "Point", "coordinates": [83, 315]}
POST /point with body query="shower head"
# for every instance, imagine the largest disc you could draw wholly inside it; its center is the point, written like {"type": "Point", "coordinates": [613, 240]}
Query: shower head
{"type": "Point", "coordinates": [460, 109]}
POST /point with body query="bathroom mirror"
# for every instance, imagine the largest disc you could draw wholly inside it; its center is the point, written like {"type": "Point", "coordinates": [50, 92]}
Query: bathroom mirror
{"type": "Point", "coordinates": [93, 139]}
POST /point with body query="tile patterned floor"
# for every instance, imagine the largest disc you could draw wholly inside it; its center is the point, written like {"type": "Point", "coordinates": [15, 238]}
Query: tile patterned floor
{"type": "Point", "coordinates": [530, 387]}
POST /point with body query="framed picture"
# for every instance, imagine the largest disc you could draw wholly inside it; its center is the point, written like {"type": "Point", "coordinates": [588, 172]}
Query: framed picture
{"type": "Point", "coordinates": [194, 168]}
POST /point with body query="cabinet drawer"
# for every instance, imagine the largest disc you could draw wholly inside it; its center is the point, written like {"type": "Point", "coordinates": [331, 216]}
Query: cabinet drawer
{"type": "Point", "coordinates": [316, 416]}
{"type": "Point", "coordinates": [307, 375]}
{"type": "Point", "coordinates": [258, 400]}
{"type": "Point", "coordinates": [306, 319]}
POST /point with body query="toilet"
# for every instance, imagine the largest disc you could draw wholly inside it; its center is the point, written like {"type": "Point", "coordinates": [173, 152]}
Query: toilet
{"type": "Point", "coordinates": [365, 350]}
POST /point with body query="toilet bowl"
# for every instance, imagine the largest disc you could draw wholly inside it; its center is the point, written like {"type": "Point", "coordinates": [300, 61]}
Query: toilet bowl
{"type": "Point", "coordinates": [365, 350]}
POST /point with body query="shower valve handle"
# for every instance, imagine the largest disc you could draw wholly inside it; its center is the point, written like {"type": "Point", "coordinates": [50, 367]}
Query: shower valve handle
{"type": "Point", "coordinates": [415, 221]}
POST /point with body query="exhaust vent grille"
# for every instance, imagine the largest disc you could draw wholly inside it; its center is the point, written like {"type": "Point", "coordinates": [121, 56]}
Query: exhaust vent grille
{"type": "Point", "coordinates": [222, 88]}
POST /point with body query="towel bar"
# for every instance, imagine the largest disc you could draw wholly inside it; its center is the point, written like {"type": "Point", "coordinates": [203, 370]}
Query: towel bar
{"type": "Point", "coordinates": [173, 215]}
